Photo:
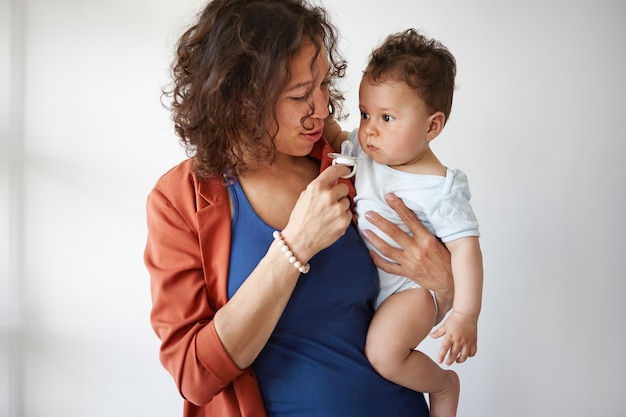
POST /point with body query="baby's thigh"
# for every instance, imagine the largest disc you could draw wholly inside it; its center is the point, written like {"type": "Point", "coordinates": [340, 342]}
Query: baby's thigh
{"type": "Point", "coordinates": [404, 319]}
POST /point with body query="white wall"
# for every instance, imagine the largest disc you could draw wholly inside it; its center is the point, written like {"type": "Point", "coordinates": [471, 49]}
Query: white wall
{"type": "Point", "coordinates": [537, 124]}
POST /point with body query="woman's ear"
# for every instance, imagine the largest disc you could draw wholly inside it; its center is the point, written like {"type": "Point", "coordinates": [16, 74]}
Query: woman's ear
{"type": "Point", "coordinates": [436, 121]}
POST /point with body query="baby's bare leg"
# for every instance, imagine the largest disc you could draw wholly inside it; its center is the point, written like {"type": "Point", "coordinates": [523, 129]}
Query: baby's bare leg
{"type": "Point", "coordinates": [398, 326]}
{"type": "Point", "coordinates": [445, 403]}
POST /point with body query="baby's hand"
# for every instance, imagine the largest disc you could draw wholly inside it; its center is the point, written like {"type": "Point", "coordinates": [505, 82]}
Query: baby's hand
{"type": "Point", "coordinates": [460, 340]}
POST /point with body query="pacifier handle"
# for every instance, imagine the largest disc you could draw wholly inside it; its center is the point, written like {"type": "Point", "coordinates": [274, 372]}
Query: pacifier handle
{"type": "Point", "coordinates": [348, 162]}
{"type": "Point", "coordinates": [346, 157]}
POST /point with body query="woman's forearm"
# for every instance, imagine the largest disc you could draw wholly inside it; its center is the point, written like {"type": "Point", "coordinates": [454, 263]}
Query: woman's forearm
{"type": "Point", "coordinates": [245, 323]}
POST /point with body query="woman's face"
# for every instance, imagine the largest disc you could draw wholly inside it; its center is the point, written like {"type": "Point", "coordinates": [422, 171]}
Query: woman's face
{"type": "Point", "coordinates": [303, 104]}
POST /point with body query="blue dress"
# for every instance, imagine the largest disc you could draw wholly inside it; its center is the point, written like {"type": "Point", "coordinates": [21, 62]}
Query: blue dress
{"type": "Point", "coordinates": [314, 365]}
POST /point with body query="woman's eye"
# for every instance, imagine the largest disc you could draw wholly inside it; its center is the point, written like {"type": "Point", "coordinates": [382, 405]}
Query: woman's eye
{"type": "Point", "coordinates": [300, 98]}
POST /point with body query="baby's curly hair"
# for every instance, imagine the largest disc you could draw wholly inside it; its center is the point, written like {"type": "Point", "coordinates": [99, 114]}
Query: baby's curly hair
{"type": "Point", "coordinates": [229, 70]}
{"type": "Point", "coordinates": [425, 65]}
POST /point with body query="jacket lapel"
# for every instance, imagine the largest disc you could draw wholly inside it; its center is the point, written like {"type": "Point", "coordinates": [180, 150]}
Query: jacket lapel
{"type": "Point", "coordinates": [214, 234]}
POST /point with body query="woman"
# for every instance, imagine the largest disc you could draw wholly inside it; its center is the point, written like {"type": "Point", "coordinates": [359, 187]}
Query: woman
{"type": "Point", "coordinates": [245, 329]}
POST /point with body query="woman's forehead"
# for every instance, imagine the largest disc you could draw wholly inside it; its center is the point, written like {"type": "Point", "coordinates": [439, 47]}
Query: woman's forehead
{"type": "Point", "coordinates": [307, 66]}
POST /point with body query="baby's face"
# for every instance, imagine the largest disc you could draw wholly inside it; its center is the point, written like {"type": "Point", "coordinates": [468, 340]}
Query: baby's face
{"type": "Point", "coordinates": [394, 122]}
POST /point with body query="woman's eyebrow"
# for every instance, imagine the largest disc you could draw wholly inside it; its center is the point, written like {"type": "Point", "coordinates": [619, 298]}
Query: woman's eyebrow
{"type": "Point", "coordinates": [299, 85]}
{"type": "Point", "coordinates": [306, 83]}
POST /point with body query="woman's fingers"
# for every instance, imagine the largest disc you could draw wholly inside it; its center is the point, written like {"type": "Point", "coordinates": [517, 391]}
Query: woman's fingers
{"type": "Point", "coordinates": [321, 214]}
{"type": "Point", "coordinates": [409, 218]}
{"type": "Point", "coordinates": [421, 256]}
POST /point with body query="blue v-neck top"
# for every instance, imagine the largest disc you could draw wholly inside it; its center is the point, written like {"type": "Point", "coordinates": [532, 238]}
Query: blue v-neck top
{"type": "Point", "coordinates": [314, 365]}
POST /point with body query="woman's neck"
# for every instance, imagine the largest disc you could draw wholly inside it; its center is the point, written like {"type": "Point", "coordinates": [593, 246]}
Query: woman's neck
{"type": "Point", "coordinates": [273, 188]}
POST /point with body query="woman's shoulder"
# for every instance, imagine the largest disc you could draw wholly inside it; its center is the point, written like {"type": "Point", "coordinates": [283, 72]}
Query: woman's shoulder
{"type": "Point", "coordinates": [181, 172]}
{"type": "Point", "coordinates": [181, 187]}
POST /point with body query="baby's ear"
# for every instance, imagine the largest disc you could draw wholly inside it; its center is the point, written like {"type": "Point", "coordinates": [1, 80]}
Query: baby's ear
{"type": "Point", "coordinates": [436, 121]}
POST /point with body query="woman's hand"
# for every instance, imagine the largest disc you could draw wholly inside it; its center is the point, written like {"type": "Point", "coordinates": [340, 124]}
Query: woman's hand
{"type": "Point", "coordinates": [321, 214]}
{"type": "Point", "coordinates": [421, 257]}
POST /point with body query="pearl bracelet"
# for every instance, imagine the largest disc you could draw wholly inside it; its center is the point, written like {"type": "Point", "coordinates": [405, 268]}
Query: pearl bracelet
{"type": "Point", "coordinates": [303, 268]}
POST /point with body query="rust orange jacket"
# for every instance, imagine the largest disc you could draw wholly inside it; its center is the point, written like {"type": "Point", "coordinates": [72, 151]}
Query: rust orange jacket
{"type": "Point", "coordinates": [187, 256]}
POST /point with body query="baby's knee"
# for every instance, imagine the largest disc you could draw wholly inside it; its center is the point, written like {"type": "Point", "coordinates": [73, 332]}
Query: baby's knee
{"type": "Point", "coordinates": [380, 358]}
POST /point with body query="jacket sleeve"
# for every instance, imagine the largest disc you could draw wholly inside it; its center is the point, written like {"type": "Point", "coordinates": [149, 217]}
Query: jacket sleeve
{"type": "Point", "coordinates": [182, 306]}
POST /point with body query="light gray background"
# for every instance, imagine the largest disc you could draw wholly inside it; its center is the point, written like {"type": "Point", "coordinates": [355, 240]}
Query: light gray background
{"type": "Point", "coordinates": [537, 124]}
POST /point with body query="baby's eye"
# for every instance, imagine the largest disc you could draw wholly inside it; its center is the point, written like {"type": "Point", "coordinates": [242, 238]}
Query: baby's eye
{"type": "Point", "coordinates": [387, 118]}
{"type": "Point", "coordinates": [364, 116]}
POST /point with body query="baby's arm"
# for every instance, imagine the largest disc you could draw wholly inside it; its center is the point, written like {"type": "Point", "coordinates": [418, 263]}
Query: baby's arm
{"type": "Point", "coordinates": [333, 133]}
{"type": "Point", "coordinates": [461, 328]}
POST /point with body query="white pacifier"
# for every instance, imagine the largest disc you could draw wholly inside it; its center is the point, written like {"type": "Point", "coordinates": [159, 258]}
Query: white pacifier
{"type": "Point", "coordinates": [347, 157]}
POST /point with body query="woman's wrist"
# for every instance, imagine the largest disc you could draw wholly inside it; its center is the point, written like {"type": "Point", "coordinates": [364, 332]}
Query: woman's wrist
{"type": "Point", "coordinates": [302, 266]}
{"type": "Point", "coordinates": [297, 245]}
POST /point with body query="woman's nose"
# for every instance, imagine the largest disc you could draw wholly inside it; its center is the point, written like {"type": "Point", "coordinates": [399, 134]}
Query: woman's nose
{"type": "Point", "coordinates": [320, 104]}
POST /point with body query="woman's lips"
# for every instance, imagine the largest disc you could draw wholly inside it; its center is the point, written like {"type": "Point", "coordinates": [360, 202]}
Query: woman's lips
{"type": "Point", "coordinates": [313, 136]}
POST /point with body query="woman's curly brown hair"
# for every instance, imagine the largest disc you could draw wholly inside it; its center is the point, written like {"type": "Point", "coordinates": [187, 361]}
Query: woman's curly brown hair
{"type": "Point", "coordinates": [229, 70]}
{"type": "Point", "coordinates": [425, 65]}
